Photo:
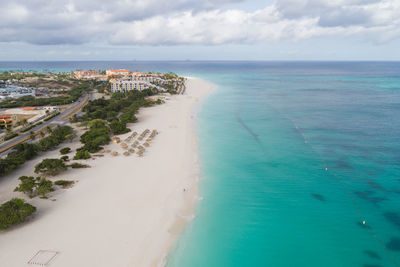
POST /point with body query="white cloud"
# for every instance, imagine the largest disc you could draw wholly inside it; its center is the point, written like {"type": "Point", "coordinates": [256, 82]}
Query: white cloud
{"type": "Point", "coordinates": [152, 22]}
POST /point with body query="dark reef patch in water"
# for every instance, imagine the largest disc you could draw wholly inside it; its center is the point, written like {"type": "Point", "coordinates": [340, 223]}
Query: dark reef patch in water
{"type": "Point", "coordinates": [367, 195]}
{"type": "Point", "coordinates": [372, 254]}
{"type": "Point", "coordinates": [394, 244]}
{"type": "Point", "coordinates": [318, 197]}
{"type": "Point", "coordinates": [375, 185]}
{"type": "Point", "coordinates": [394, 218]}
{"type": "Point", "coordinates": [341, 164]}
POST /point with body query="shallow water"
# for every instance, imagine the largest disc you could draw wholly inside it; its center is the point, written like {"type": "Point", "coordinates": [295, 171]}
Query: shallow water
{"type": "Point", "coordinates": [294, 158]}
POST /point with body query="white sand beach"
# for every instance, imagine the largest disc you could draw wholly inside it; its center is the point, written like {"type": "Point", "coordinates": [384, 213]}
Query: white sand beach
{"type": "Point", "coordinates": [124, 210]}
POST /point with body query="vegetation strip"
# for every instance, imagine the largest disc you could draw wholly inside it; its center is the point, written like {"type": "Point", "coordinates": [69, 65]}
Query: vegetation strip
{"type": "Point", "coordinates": [26, 151]}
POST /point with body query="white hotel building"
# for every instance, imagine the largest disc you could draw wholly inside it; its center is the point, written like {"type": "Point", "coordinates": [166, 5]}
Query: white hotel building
{"type": "Point", "coordinates": [124, 86]}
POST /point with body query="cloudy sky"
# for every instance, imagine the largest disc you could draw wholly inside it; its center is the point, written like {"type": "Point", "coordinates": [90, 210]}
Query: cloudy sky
{"type": "Point", "coordinates": [196, 29]}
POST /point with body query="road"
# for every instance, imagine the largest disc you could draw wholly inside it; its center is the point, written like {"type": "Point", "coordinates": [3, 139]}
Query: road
{"type": "Point", "coordinates": [60, 119]}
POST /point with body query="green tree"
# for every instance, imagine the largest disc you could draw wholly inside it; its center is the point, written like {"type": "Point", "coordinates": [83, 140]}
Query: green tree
{"type": "Point", "coordinates": [77, 165]}
{"type": "Point", "coordinates": [64, 183]}
{"type": "Point", "coordinates": [97, 136]}
{"type": "Point", "coordinates": [51, 166]}
{"type": "Point", "coordinates": [14, 211]}
{"type": "Point", "coordinates": [65, 150]}
{"type": "Point", "coordinates": [26, 150]}
{"type": "Point", "coordinates": [27, 185]}
{"type": "Point", "coordinates": [118, 127]}
{"type": "Point", "coordinates": [82, 154]}
{"type": "Point", "coordinates": [44, 187]}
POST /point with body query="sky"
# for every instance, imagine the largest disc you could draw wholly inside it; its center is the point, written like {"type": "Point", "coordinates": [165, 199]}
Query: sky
{"type": "Point", "coordinates": [41, 30]}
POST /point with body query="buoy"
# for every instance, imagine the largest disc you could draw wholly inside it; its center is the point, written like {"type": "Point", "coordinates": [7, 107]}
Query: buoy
{"type": "Point", "coordinates": [326, 169]}
{"type": "Point", "coordinates": [363, 222]}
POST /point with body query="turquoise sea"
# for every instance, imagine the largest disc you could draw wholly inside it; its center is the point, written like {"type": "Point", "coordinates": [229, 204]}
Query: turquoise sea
{"type": "Point", "coordinates": [295, 158]}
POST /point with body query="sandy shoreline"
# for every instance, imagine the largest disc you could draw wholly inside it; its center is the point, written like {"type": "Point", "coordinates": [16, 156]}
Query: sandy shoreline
{"type": "Point", "coordinates": [124, 211]}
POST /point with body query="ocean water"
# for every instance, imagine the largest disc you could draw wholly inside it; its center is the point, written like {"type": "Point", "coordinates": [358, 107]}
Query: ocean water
{"type": "Point", "coordinates": [295, 156]}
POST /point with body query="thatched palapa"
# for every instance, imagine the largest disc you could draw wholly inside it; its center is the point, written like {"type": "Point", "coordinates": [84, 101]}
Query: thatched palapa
{"type": "Point", "coordinates": [116, 140]}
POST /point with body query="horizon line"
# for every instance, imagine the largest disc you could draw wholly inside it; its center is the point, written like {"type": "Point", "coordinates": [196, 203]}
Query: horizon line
{"type": "Point", "coordinates": [208, 60]}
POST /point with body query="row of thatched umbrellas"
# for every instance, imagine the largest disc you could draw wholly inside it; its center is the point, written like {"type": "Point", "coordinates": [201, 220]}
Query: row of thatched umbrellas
{"type": "Point", "coordinates": [136, 144]}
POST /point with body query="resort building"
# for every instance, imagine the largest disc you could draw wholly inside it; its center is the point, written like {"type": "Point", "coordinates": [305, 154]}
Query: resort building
{"type": "Point", "coordinates": [83, 74]}
{"type": "Point", "coordinates": [127, 85]}
{"type": "Point", "coordinates": [119, 73]}
{"type": "Point", "coordinates": [6, 121]}
{"type": "Point", "coordinates": [147, 77]}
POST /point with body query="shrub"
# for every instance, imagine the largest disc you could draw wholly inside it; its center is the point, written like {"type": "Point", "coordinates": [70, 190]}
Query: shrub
{"type": "Point", "coordinates": [64, 183]}
{"type": "Point", "coordinates": [43, 187]}
{"type": "Point", "coordinates": [14, 211]}
{"type": "Point", "coordinates": [27, 185]}
{"type": "Point", "coordinates": [118, 127]}
{"type": "Point", "coordinates": [20, 154]}
{"type": "Point", "coordinates": [52, 116]}
{"type": "Point", "coordinates": [28, 128]}
{"type": "Point", "coordinates": [82, 154]}
{"type": "Point", "coordinates": [65, 158]}
{"type": "Point", "coordinates": [97, 136]}
{"type": "Point", "coordinates": [10, 136]}
{"type": "Point", "coordinates": [51, 166]}
{"type": "Point", "coordinates": [65, 150]}
{"type": "Point", "coordinates": [77, 165]}
{"type": "Point", "coordinates": [34, 186]}
{"type": "Point", "coordinates": [57, 136]}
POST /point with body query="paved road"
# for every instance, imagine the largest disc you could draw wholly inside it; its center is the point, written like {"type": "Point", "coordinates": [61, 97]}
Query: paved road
{"type": "Point", "coordinates": [60, 119]}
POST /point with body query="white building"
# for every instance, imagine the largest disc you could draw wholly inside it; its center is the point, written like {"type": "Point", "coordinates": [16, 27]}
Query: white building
{"type": "Point", "coordinates": [127, 85]}
{"type": "Point", "coordinates": [120, 73]}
